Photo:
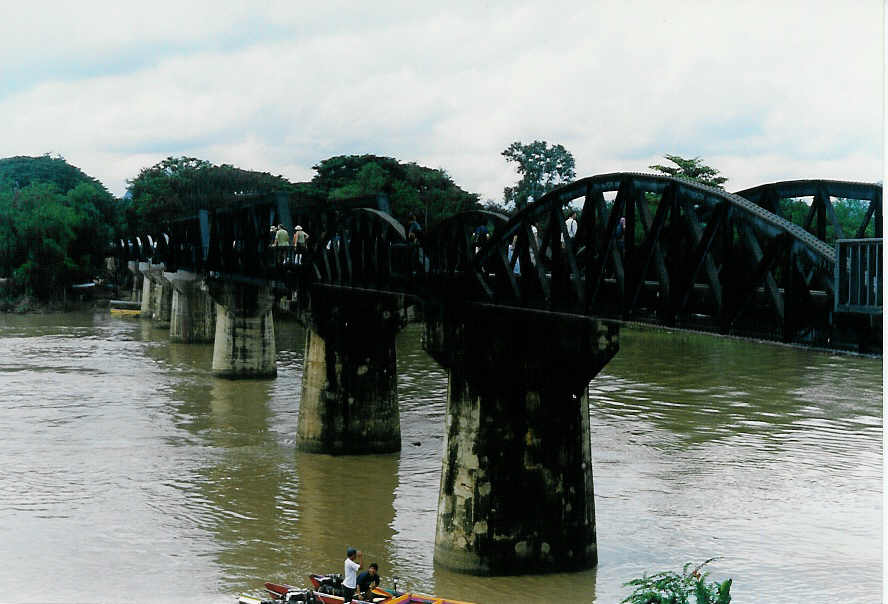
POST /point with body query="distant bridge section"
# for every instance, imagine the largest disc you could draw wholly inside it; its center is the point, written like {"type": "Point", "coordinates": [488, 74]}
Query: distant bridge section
{"type": "Point", "coordinates": [822, 214]}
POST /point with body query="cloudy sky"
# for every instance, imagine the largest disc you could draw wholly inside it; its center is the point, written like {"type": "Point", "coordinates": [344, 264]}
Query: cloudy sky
{"type": "Point", "coordinates": [763, 91]}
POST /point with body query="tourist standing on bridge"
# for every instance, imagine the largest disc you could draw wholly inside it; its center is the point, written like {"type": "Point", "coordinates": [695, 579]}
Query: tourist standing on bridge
{"type": "Point", "coordinates": [415, 228]}
{"type": "Point", "coordinates": [571, 224]}
{"type": "Point", "coordinates": [513, 251]}
{"type": "Point", "coordinates": [281, 237]}
{"type": "Point", "coordinates": [621, 235]}
{"type": "Point", "coordinates": [300, 241]}
{"type": "Point", "coordinates": [281, 242]}
{"type": "Point", "coordinates": [350, 576]}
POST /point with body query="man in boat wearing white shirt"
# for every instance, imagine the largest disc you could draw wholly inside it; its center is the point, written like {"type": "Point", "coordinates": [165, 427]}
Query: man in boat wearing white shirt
{"type": "Point", "coordinates": [350, 576]}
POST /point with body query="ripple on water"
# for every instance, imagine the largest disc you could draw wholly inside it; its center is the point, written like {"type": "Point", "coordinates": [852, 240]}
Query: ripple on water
{"type": "Point", "coordinates": [122, 451]}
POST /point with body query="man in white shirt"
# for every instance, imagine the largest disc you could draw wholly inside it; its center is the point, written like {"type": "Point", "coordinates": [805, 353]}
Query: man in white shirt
{"type": "Point", "coordinates": [571, 224]}
{"type": "Point", "coordinates": [350, 576]}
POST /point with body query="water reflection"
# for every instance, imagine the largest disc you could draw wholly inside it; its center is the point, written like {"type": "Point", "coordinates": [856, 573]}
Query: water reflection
{"type": "Point", "coordinates": [344, 501]}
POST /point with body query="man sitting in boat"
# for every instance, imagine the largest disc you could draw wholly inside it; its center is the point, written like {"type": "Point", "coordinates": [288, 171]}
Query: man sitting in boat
{"type": "Point", "coordinates": [350, 576]}
{"type": "Point", "coordinates": [367, 580]}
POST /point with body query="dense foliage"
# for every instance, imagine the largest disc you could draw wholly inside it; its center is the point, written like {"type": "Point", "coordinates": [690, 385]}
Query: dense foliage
{"type": "Point", "coordinates": [181, 185]}
{"type": "Point", "coordinates": [55, 222]}
{"type": "Point", "coordinates": [542, 168]}
{"type": "Point", "coordinates": [428, 193]}
{"type": "Point", "coordinates": [850, 214]}
{"type": "Point", "coordinates": [692, 169]}
{"type": "Point", "coordinates": [669, 587]}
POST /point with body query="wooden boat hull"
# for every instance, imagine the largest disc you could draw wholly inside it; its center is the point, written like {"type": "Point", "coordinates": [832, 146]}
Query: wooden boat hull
{"type": "Point", "coordinates": [388, 597]}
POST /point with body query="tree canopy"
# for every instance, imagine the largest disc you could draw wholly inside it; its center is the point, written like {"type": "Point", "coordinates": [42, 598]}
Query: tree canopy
{"type": "Point", "coordinates": [412, 189]}
{"type": "Point", "coordinates": [181, 185]}
{"type": "Point", "coordinates": [691, 169]}
{"type": "Point", "coordinates": [542, 168]}
{"type": "Point", "coordinates": [55, 222]}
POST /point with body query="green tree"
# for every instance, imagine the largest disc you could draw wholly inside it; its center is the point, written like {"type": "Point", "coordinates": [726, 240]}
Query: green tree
{"type": "Point", "coordinates": [691, 169]}
{"type": "Point", "coordinates": [849, 213]}
{"type": "Point", "coordinates": [182, 185]}
{"type": "Point", "coordinates": [412, 189]}
{"type": "Point", "coordinates": [55, 224]}
{"type": "Point", "coordinates": [542, 168]}
{"type": "Point", "coordinates": [20, 171]}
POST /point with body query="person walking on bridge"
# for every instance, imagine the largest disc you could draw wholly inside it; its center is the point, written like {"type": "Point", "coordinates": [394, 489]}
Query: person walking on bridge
{"type": "Point", "coordinates": [281, 242]}
{"type": "Point", "coordinates": [300, 241]}
{"type": "Point", "coordinates": [571, 224]}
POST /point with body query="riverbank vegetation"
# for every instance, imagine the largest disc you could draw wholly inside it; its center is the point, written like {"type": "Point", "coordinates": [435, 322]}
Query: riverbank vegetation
{"type": "Point", "coordinates": [54, 222]}
{"type": "Point", "coordinates": [688, 587]}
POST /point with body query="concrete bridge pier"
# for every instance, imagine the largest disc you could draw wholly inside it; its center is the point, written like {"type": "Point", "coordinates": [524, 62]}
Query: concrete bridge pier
{"type": "Point", "coordinates": [244, 340]}
{"type": "Point", "coordinates": [191, 304]}
{"type": "Point", "coordinates": [350, 383]}
{"type": "Point", "coordinates": [162, 292]}
{"type": "Point", "coordinates": [146, 299]}
{"type": "Point", "coordinates": [136, 295]}
{"type": "Point", "coordinates": [516, 489]}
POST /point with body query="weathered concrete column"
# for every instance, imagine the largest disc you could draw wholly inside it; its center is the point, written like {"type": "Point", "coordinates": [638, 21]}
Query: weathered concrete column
{"type": "Point", "coordinates": [190, 303]}
{"type": "Point", "coordinates": [146, 291]}
{"type": "Point", "coordinates": [244, 339]}
{"type": "Point", "coordinates": [136, 295]}
{"type": "Point", "coordinates": [350, 382]}
{"type": "Point", "coordinates": [162, 292]}
{"type": "Point", "coordinates": [516, 483]}
{"type": "Point", "coordinates": [205, 311]}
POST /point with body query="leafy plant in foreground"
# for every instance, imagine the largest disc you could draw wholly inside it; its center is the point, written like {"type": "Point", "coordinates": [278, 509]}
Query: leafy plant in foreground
{"type": "Point", "coordinates": [669, 587]}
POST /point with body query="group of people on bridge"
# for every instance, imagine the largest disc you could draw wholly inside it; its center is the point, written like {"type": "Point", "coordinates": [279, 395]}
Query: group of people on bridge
{"type": "Point", "coordinates": [280, 240]}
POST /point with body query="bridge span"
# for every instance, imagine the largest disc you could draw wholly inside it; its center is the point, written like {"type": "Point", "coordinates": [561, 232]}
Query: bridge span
{"type": "Point", "coordinates": [522, 314]}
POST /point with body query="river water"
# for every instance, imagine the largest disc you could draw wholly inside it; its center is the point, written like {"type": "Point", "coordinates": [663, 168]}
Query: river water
{"type": "Point", "coordinates": [129, 473]}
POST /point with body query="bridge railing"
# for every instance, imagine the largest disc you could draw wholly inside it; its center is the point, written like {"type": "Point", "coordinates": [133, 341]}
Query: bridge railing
{"type": "Point", "coordinates": [858, 276]}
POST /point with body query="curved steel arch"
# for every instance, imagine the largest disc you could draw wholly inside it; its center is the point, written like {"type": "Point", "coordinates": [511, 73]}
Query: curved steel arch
{"type": "Point", "coordinates": [362, 247]}
{"type": "Point", "coordinates": [693, 255]}
{"type": "Point", "coordinates": [451, 244]}
{"type": "Point", "coordinates": [821, 213]}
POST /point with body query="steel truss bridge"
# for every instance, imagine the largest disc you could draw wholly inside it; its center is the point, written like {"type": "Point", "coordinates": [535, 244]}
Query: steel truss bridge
{"type": "Point", "coordinates": [692, 256]}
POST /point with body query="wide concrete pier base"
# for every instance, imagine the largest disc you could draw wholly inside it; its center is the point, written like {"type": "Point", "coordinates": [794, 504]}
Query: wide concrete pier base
{"type": "Point", "coordinates": [244, 340]}
{"type": "Point", "coordinates": [350, 383]}
{"type": "Point", "coordinates": [516, 489]}
{"type": "Point", "coordinates": [190, 305]}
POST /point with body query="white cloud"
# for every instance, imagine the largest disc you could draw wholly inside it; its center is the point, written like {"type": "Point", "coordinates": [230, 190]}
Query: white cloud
{"type": "Point", "coordinates": [764, 91]}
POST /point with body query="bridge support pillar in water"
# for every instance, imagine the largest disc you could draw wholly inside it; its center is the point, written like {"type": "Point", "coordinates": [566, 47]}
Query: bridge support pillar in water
{"type": "Point", "coordinates": [244, 340]}
{"type": "Point", "coordinates": [193, 311]}
{"type": "Point", "coordinates": [516, 489]}
{"type": "Point", "coordinates": [136, 294]}
{"type": "Point", "coordinates": [350, 383]}
{"type": "Point", "coordinates": [162, 295]}
{"type": "Point", "coordinates": [146, 300]}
